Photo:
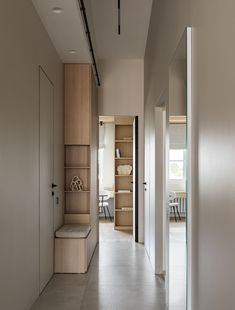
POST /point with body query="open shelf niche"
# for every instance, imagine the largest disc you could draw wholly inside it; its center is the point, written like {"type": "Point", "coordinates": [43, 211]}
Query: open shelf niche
{"type": "Point", "coordinates": [77, 163]}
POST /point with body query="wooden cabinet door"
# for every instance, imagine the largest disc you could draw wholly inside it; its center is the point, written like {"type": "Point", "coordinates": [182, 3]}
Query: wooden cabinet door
{"type": "Point", "coordinates": [77, 103]}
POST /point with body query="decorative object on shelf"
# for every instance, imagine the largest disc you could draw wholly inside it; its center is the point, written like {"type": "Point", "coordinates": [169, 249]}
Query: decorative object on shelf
{"type": "Point", "coordinates": [76, 184]}
{"type": "Point", "coordinates": [124, 169]}
{"type": "Point", "coordinates": [118, 154]}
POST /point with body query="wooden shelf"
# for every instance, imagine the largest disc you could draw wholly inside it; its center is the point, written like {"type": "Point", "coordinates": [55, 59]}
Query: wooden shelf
{"type": "Point", "coordinates": [123, 158]}
{"type": "Point", "coordinates": [123, 193]}
{"type": "Point", "coordinates": [124, 210]}
{"type": "Point", "coordinates": [76, 167]}
{"type": "Point", "coordinates": [123, 175]}
{"type": "Point", "coordinates": [123, 141]}
{"type": "Point", "coordinates": [77, 213]}
{"type": "Point", "coordinates": [124, 227]}
{"type": "Point", "coordinates": [78, 145]}
{"type": "Point", "coordinates": [77, 192]}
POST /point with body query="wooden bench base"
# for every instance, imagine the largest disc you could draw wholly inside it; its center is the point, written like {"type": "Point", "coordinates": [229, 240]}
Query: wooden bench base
{"type": "Point", "coordinates": [73, 255]}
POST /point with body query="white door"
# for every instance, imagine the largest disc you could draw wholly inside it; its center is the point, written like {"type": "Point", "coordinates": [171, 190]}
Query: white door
{"type": "Point", "coordinates": [46, 179]}
{"type": "Point", "coordinates": [146, 189]}
{"type": "Point", "coordinates": [160, 189]}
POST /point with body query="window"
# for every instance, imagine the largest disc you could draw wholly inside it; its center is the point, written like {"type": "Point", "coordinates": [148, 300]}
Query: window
{"type": "Point", "coordinates": [177, 165]}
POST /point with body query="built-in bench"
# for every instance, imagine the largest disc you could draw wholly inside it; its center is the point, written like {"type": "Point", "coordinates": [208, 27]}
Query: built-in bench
{"type": "Point", "coordinates": [74, 247]}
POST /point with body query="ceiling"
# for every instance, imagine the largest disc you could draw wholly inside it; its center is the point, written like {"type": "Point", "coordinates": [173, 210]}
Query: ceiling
{"type": "Point", "coordinates": [135, 18]}
{"type": "Point", "coordinates": [65, 29]}
{"type": "Point", "coordinates": [67, 33]}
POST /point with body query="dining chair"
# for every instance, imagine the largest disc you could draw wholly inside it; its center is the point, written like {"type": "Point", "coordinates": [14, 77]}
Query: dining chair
{"type": "Point", "coordinates": [104, 204]}
{"type": "Point", "coordinates": [174, 205]}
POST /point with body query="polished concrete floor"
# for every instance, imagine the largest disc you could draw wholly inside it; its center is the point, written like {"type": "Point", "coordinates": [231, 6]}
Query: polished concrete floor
{"type": "Point", "coordinates": [120, 278]}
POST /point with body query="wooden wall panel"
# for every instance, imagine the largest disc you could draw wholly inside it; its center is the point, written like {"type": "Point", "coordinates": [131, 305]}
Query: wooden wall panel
{"type": "Point", "coordinates": [77, 156]}
{"type": "Point", "coordinates": [94, 157]}
{"type": "Point", "coordinates": [77, 79]}
{"type": "Point", "coordinates": [77, 203]}
{"type": "Point", "coordinates": [76, 219]}
{"type": "Point", "coordinates": [70, 255]}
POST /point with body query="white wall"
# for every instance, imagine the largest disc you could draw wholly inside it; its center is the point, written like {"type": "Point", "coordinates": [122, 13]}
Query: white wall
{"type": "Point", "coordinates": [177, 88]}
{"type": "Point", "coordinates": [177, 137]}
{"type": "Point", "coordinates": [122, 93]}
{"type": "Point", "coordinates": [213, 134]}
{"type": "Point", "coordinates": [106, 168]}
{"type": "Point", "coordinates": [24, 46]}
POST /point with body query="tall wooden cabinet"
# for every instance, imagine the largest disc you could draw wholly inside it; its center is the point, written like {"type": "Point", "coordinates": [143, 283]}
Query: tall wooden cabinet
{"type": "Point", "coordinates": [80, 148]}
{"type": "Point", "coordinates": [123, 217]}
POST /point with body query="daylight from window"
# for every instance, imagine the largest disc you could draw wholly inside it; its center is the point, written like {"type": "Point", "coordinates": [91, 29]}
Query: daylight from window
{"type": "Point", "coordinates": [177, 164]}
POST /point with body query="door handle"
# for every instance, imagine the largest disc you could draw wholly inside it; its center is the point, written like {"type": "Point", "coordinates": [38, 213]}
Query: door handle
{"type": "Point", "coordinates": [144, 183]}
{"type": "Point", "coordinates": [54, 185]}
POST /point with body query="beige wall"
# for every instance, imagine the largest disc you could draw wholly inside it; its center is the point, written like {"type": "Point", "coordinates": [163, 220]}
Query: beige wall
{"type": "Point", "coordinates": [177, 88]}
{"type": "Point", "coordinates": [213, 131]}
{"type": "Point", "coordinates": [24, 46]}
{"type": "Point", "coordinates": [122, 93]}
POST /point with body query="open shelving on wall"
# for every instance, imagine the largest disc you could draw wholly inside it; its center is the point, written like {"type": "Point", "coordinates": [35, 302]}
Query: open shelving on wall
{"type": "Point", "coordinates": [123, 217]}
{"type": "Point", "coordinates": [77, 163]}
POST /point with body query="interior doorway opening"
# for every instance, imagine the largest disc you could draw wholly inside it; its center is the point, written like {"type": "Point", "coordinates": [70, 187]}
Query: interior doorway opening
{"type": "Point", "coordinates": [118, 176]}
{"type": "Point", "coordinates": [179, 177]}
{"type": "Point", "coordinates": [177, 194]}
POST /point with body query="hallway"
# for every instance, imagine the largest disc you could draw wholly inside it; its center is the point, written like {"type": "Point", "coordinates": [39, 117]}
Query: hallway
{"type": "Point", "coordinates": [120, 277]}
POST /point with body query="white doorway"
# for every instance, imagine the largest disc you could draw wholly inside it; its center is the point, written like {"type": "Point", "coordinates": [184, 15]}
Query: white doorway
{"type": "Point", "coordinates": [172, 152]}
{"type": "Point", "coordinates": [179, 180]}
{"type": "Point", "coordinates": [118, 175]}
{"type": "Point", "coordinates": [46, 233]}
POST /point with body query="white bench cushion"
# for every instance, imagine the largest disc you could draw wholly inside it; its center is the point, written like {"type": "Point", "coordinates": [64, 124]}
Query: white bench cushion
{"type": "Point", "coordinates": [76, 231]}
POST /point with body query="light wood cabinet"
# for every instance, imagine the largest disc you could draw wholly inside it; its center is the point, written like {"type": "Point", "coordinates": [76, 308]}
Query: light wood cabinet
{"type": "Point", "coordinates": [73, 255]}
{"type": "Point", "coordinates": [81, 149]}
{"type": "Point", "coordinates": [77, 80]}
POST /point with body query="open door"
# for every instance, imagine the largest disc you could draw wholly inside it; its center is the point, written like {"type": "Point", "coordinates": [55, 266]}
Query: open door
{"type": "Point", "coordinates": [135, 181]}
{"type": "Point", "coordinates": [179, 180]}
{"type": "Point", "coordinates": [46, 233]}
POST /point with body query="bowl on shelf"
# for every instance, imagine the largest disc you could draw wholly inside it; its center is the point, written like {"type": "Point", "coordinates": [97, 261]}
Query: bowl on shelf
{"type": "Point", "coordinates": [124, 169]}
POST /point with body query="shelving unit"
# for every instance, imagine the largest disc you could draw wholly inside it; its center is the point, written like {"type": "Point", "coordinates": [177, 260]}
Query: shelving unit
{"type": "Point", "coordinates": [123, 217]}
{"type": "Point", "coordinates": [80, 149]}
{"type": "Point", "coordinates": [73, 253]}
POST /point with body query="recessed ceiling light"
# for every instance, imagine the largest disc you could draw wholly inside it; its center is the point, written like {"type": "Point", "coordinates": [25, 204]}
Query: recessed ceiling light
{"type": "Point", "coordinates": [57, 10]}
{"type": "Point", "coordinates": [72, 52]}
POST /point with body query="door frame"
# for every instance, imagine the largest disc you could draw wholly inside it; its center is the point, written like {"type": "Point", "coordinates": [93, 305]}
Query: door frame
{"type": "Point", "coordinates": [163, 106]}
{"type": "Point", "coordinates": [190, 167]}
{"type": "Point", "coordinates": [189, 183]}
{"type": "Point", "coordinates": [136, 178]}
{"type": "Point", "coordinates": [42, 71]}
{"type": "Point", "coordinates": [160, 184]}
{"type": "Point", "coordinates": [136, 164]}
